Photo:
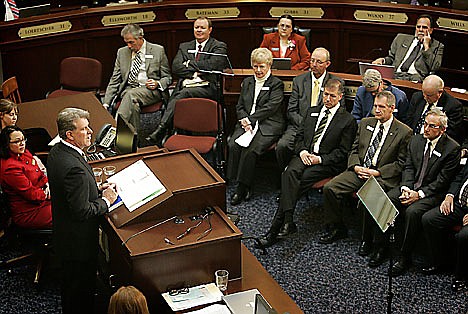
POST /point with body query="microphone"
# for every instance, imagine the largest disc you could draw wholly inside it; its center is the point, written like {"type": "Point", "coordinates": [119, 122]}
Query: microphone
{"type": "Point", "coordinates": [364, 56]}
{"type": "Point", "coordinates": [435, 56]}
{"type": "Point", "coordinates": [149, 228]}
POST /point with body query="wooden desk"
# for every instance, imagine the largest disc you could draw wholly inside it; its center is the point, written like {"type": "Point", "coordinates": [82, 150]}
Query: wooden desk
{"type": "Point", "coordinates": [43, 113]}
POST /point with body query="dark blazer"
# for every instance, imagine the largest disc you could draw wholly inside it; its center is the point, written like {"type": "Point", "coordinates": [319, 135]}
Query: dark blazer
{"type": "Point", "coordinates": [450, 105]}
{"type": "Point", "coordinates": [76, 205]}
{"type": "Point", "coordinates": [269, 106]}
{"type": "Point", "coordinates": [441, 169]}
{"type": "Point", "coordinates": [392, 156]}
{"type": "Point", "coordinates": [299, 54]}
{"type": "Point", "coordinates": [460, 179]}
{"type": "Point", "coordinates": [337, 140]}
{"type": "Point", "coordinates": [157, 68]}
{"type": "Point", "coordinates": [299, 102]}
{"type": "Point", "coordinates": [427, 62]}
{"type": "Point", "coordinates": [205, 62]}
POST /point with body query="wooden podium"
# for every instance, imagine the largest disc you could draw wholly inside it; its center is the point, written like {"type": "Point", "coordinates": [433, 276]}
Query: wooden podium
{"type": "Point", "coordinates": [152, 263]}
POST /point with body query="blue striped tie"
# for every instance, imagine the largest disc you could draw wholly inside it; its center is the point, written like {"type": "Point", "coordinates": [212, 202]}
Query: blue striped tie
{"type": "Point", "coordinates": [373, 148]}
{"type": "Point", "coordinates": [133, 76]}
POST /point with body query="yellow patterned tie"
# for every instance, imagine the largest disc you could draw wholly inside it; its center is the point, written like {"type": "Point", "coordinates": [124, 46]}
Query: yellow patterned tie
{"type": "Point", "coordinates": [315, 93]}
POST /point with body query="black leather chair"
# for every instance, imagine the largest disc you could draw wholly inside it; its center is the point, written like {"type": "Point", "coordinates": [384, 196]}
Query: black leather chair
{"type": "Point", "coordinates": [301, 31]}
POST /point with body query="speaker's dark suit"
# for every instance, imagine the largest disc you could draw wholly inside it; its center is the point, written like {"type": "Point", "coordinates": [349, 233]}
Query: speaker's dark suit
{"type": "Point", "coordinates": [441, 170]}
{"type": "Point", "coordinates": [427, 62]}
{"type": "Point", "coordinates": [437, 226]}
{"type": "Point", "coordinates": [299, 103]}
{"type": "Point", "coordinates": [76, 208]}
{"type": "Point", "coordinates": [449, 104]}
{"type": "Point", "coordinates": [334, 148]}
{"type": "Point", "coordinates": [269, 115]}
{"type": "Point", "coordinates": [182, 70]}
{"type": "Point", "coordinates": [389, 163]}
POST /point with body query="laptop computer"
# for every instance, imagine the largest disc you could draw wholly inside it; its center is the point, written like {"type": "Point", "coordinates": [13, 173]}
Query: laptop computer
{"type": "Point", "coordinates": [32, 7]}
{"type": "Point", "coordinates": [241, 302]}
{"type": "Point", "coordinates": [387, 71]}
{"type": "Point", "coordinates": [281, 64]}
{"type": "Point", "coordinates": [377, 203]}
{"type": "Point", "coordinates": [262, 306]}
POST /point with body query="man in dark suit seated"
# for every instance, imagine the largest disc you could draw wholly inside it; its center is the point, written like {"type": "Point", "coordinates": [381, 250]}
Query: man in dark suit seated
{"type": "Point", "coordinates": [372, 83]}
{"type": "Point", "coordinates": [323, 141]}
{"type": "Point", "coordinates": [77, 205]}
{"type": "Point", "coordinates": [141, 74]}
{"type": "Point", "coordinates": [188, 63]}
{"type": "Point", "coordinates": [432, 162]}
{"type": "Point", "coordinates": [379, 150]}
{"type": "Point", "coordinates": [433, 95]}
{"type": "Point", "coordinates": [415, 57]}
{"type": "Point", "coordinates": [306, 92]}
{"type": "Point", "coordinates": [438, 223]}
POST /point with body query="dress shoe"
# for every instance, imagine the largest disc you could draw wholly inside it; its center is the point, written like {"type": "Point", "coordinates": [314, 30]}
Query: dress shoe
{"type": "Point", "coordinates": [400, 266]}
{"type": "Point", "coordinates": [248, 194]}
{"type": "Point", "coordinates": [287, 229]}
{"type": "Point", "coordinates": [365, 248]}
{"type": "Point", "coordinates": [278, 197]}
{"type": "Point", "coordinates": [157, 136]}
{"type": "Point", "coordinates": [267, 240]}
{"type": "Point", "coordinates": [458, 285]}
{"type": "Point", "coordinates": [377, 257]}
{"type": "Point", "coordinates": [430, 270]}
{"type": "Point", "coordinates": [333, 234]}
{"type": "Point", "coordinates": [237, 198]}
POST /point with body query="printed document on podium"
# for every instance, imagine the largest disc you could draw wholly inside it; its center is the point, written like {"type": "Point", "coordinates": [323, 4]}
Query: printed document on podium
{"type": "Point", "coordinates": [137, 185]}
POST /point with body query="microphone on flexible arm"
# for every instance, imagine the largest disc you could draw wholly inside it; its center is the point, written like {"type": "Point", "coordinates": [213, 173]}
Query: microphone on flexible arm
{"type": "Point", "coordinates": [435, 56]}
{"type": "Point", "coordinates": [363, 57]}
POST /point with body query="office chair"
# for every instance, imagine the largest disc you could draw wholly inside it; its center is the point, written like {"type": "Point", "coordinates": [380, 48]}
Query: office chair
{"type": "Point", "coordinates": [10, 90]}
{"type": "Point", "coordinates": [78, 75]}
{"type": "Point", "coordinates": [39, 238]}
{"type": "Point", "coordinates": [301, 31]}
{"type": "Point", "coordinates": [197, 124]}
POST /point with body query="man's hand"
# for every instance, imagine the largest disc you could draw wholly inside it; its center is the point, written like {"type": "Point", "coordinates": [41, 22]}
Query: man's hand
{"type": "Point", "coordinates": [109, 192]}
{"type": "Point", "coordinates": [151, 84]}
{"type": "Point", "coordinates": [379, 61]}
{"type": "Point", "coordinates": [246, 125]}
{"type": "Point", "coordinates": [408, 197]}
{"type": "Point", "coordinates": [309, 159]}
{"type": "Point", "coordinates": [426, 41]}
{"type": "Point", "coordinates": [465, 220]}
{"type": "Point", "coordinates": [365, 173]}
{"type": "Point", "coordinates": [447, 205]}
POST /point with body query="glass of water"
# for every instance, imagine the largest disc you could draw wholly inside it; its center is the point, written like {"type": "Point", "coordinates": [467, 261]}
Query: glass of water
{"type": "Point", "coordinates": [222, 276]}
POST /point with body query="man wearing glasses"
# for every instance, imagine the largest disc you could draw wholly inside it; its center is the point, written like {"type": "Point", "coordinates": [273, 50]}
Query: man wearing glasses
{"type": "Point", "coordinates": [306, 92]}
{"type": "Point", "coordinates": [432, 162]}
{"type": "Point", "coordinates": [415, 57]}
{"type": "Point", "coordinates": [433, 95]}
{"type": "Point", "coordinates": [372, 83]}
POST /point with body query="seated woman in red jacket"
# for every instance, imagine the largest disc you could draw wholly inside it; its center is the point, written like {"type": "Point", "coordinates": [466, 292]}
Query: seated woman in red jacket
{"type": "Point", "coordinates": [23, 181]}
{"type": "Point", "coordinates": [8, 113]}
{"type": "Point", "coordinates": [285, 43]}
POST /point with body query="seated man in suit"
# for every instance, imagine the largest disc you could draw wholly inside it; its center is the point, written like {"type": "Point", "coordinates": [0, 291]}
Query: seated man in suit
{"type": "Point", "coordinates": [372, 83]}
{"type": "Point", "coordinates": [415, 57]}
{"type": "Point", "coordinates": [438, 223]}
{"type": "Point", "coordinates": [192, 58]}
{"type": "Point", "coordinates": [141, 74]}
{"type": "Point", "coordinates": [322, 146]}
{"type": "Point", "coordinates": [432, 162]}
{"type": "Point", "coordinates": [433, 95]}
{"type": "Point", "coordinates": [306, 93]}
{"type": "Point", "coordinates": [379, 150]}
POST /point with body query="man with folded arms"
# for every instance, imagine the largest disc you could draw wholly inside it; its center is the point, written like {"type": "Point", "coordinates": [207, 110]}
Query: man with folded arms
{"type": "Point", "coordinates": [415, 57]}
{"type": "Point", "coordinates": [379, 150]}
{"type": "Point", "coordinates": [323, 142]}
{"type": "Point", "coordinates": [432, 162]}
{"type": "Point", "coordinates": [191, 60]}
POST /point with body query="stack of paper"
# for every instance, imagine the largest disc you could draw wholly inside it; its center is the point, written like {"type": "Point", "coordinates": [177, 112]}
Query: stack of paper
{"type": "Point", "coordinates": [199, 295]}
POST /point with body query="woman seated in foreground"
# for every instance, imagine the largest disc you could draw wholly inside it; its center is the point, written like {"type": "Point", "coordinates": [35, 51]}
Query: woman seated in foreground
{"type": "Point", "coordinates": [128, 300]}
{"type": "Point", "coordinates": [285, 43]}
{"type": "Point", "coordinates": [24, 182]}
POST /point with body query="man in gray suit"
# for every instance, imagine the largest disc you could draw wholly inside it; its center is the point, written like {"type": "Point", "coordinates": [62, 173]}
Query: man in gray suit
{"type": "Point", "coordinates": [302, 99]}
{"type": "Point", "coordinates": [141, 74]}
{"type": "Point", "coordinates": [415, 57]}
{"type": "Point", "coordinates": [379, 150]}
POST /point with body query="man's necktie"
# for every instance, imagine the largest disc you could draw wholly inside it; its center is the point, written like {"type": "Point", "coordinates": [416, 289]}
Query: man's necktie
{"type": "Point", "coordinates": [315, 93]}
{"type": "Point", "coordinates": [321, 126]}
{"type": "Point", "coordinates": [197, 57]}
{"type": "Point", "coordinates": [135, 69]}
{"type": "Point", "coordinates": [409, 61]}
{"type": "Point", "coordinates": [14, 9]}
{"type": "Point", "coordinates": [422, 119]}
{"type": "Point", "coordinates": [464, 196]}
{"type": "Point", "coordinates": [373, 148]}
{"type": "Point", "coordinates": [422, 173]}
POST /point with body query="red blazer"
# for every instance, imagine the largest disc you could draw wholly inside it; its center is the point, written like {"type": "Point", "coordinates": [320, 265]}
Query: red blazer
{"type": "Point", "coordinates": [300, 55]}
{"type": "Point", "coordinates": [23, 182]}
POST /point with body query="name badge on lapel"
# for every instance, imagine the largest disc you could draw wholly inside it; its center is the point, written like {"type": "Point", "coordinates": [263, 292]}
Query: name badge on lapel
{"type": "Point", "coordinates": [436, 153]}
{"type": "Point", "coordinates": [314, 114]}
{"type": "Point", "coordinates": [148, 56]}
{"type": "Point", "coordinates": [265, 88]}
{"type": "Point", "coordinates": [370, 128]}
{"type": "Point", "coordinates": [274, 49]}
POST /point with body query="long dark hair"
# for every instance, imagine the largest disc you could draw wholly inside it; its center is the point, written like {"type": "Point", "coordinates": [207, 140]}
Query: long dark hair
{"type": "Point", "coordinates": [5, 140]}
